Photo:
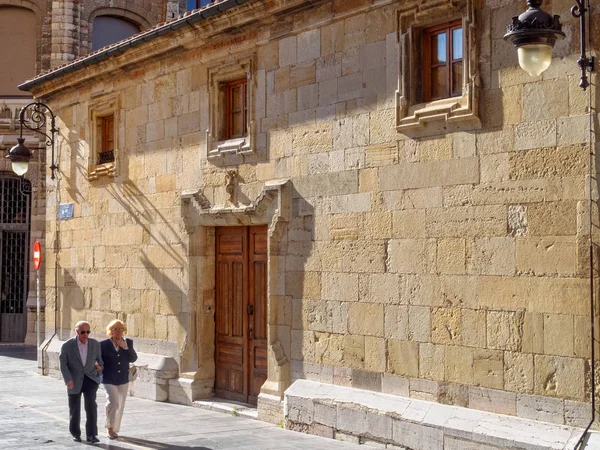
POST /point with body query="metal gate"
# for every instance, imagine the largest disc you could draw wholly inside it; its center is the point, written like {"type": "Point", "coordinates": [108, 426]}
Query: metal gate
{"type": "Point", "coordinates": [15, 207]}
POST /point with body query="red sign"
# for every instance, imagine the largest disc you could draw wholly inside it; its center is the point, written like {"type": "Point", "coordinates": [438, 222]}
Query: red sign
{"type": "Point", "coordinates": [37, 255]}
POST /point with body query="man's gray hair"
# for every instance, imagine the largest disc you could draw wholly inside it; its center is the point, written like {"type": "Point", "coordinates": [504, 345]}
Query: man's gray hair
{"type": "Point", "coordinates": [81, 322]}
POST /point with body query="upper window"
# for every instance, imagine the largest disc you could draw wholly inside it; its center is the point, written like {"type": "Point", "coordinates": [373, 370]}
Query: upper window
{"type": "Point", "coordinates": [236, 110]}
{"type": "Point", "coordinates": [104, 137]}
{"type": "Point", "coordinates": [232, 124]}
{"type": "Point", "coordinates": [110, 29]}
{"type": "Point", "coordinates": [442, 62]}
{"type": "Point", "coordinates": [195, 4]}
{"type": "Point", "coordinates": [439, 81]}
{"type": "Point", "coordinates": [106, 132]}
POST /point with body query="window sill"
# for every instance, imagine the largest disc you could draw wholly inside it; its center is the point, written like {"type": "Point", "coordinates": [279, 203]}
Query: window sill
{"type": "Point", "coordinates": [102, 170]}
{"type": "Point", "coordinates": [237, 146]}
{"type": "Point", "coordinates": [437, 116]}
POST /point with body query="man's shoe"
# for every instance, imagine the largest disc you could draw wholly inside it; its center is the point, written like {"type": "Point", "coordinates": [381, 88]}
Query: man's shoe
{"type": "Point", "coordinates": [93, 439]}
{"type": "Point", "coordinates": [77, 438]}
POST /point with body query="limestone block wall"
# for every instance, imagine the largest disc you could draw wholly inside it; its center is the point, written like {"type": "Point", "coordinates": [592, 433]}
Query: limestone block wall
{"type": "Point", "coordinates": [451, 267]}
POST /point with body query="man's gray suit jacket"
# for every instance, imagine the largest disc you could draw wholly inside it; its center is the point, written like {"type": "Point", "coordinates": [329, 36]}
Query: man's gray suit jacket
{"type": "Point", "coordinates": [72, 367]}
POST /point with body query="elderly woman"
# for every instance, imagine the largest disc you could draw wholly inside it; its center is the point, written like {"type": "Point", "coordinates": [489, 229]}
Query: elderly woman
{"type": "Point", "coordinates": [117, 353]}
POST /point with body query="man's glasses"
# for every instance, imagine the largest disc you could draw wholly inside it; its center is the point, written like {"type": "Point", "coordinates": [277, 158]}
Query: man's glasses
{"type": "Point", "coordinates": [84, 331]}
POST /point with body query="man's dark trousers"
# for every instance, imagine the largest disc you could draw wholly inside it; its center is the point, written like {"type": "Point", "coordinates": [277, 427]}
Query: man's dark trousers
{"type": "Point", "coordinates": [88, 389]}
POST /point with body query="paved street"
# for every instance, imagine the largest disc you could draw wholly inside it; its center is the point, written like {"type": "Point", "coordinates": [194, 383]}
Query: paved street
{"type": "Point", "coordinates": [34, 414]}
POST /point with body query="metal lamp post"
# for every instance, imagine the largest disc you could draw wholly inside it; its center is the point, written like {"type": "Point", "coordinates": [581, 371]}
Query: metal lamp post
{"type": "Point", "coordinates": [20, 155]}
{"type": "Point", "coordinates": [33, 117]}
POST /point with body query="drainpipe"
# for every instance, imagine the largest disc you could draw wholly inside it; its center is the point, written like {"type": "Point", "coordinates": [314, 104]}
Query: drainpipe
{"type": "Point", "coordinates": [591, 225]}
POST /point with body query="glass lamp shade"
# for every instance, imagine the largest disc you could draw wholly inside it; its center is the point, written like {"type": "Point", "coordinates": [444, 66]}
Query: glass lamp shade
{"type": "Point", "coordinates": [19, 156]}
{"type": "Point", "coordinates": [20, 167]}
{"type": "Point", "coordinates": [535, 58]}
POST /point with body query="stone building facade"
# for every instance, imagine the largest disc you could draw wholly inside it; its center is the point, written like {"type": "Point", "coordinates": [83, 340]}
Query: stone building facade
{"type": "Point", "coordinates": [427, 252]}
{"type": "Point", "coordinates": [38, 36]}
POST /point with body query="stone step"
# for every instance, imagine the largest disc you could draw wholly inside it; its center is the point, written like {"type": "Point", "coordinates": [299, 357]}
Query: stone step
{"type": "Point", "coordinates": [228, 407]}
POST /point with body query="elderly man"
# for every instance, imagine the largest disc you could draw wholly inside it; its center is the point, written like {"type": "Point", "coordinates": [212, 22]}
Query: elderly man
{"type": "Point", "coordinates": [81, 367]}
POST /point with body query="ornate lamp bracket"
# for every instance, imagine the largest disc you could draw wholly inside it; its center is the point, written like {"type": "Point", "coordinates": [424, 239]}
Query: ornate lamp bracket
{"type": "Point", "coordinates": [585, 62]}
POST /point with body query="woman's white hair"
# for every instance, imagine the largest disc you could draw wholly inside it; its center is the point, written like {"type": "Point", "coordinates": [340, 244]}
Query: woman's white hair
{"type": "Point", "coordinates": [113, 323]}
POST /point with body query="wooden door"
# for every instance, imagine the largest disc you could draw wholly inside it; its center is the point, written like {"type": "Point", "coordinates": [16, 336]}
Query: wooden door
{"type": "Point", "coordinates": [257, 306]}
{"type": "Point", "coordinates": [241, 312]}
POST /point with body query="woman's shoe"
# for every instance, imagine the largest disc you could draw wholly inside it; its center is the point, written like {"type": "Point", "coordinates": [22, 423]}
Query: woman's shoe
{"type": "Point", "coordinates": [112, 434]}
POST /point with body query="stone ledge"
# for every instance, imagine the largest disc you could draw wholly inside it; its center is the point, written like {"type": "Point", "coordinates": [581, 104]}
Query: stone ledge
{"type": "Point", "coordinates": [270, 408]}
{"type": "Point", "coordinates": [152, 376]}
{"type": "Point", "coordinates": [393, 420]}
{"type": "Point", "coordinates": [153, 373]}
{"type": "Point", "coordinates": [186, 389]}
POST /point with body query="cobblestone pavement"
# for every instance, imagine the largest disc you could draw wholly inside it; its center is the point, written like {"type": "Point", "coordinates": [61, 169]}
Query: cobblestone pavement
{"type": "Point", "coordinates": [34, 414]}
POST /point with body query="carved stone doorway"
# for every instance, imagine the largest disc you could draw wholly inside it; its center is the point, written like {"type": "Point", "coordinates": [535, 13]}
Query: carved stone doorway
{"type": "Point", "coordinates": [241, 312]}
{"type": "Point", "coordinates": [271, 211]}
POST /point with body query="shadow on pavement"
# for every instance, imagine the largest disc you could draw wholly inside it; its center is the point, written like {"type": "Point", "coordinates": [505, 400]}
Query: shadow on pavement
{"type": "Point", "coordinates": [150, 445]}
{"type": "Point", "coordinates": [21, 351]}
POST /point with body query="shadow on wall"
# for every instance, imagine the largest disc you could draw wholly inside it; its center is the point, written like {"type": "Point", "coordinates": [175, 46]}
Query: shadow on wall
{"type": "Point", "coordinates": [74, 297]}
{"type": "Point", "coordinates": [161, 255]}
{"type": "Point", "coordinates": [164, 239]}
{"type": "Point", "coordinates": [303, 273]}
{"type": "Point", "coordinates": [143, 212]}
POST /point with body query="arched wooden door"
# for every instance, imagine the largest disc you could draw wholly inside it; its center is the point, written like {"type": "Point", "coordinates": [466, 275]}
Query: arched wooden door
{"type": "Point", "coordinates": [241, 312]}
{"type": "Point", "coordinates": [15, 204]}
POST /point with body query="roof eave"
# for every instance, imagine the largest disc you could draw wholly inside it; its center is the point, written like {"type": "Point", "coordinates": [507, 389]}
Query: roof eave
{"type": "Point", "coordinates": [187, 20]}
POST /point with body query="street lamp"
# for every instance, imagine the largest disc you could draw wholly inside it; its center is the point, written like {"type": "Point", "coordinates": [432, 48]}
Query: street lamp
{"type": "Point", "coordinates": [534, 33]}
{"type": "Point", "coordinates": [20, 155]}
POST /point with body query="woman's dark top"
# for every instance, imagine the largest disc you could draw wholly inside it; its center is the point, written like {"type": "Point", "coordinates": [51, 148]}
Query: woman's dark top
{"type": "Point", "coordinates": [116, 363]}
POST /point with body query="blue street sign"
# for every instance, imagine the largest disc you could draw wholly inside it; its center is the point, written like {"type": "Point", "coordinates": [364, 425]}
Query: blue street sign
{"type": "Point", "coordinates": [65, 211]}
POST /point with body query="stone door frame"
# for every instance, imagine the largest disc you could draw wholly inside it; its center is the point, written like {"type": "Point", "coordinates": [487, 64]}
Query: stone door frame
{"type": "Point", "coordinates": [271, 208]}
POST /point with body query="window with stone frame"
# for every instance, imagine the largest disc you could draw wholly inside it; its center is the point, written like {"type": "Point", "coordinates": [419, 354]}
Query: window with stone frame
{"type": "Point", "coordinates": [103, 148]}
{"type": "Point", "coordinates": [231, 114]}
{"type": "Point", "coordinates": [439, 75]}
{"type": "Point", "coordinates": [106, 133]}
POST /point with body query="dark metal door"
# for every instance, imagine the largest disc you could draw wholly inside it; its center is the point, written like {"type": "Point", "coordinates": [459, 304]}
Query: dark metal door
{"type": "Point", "coordinates": [15, 206]}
